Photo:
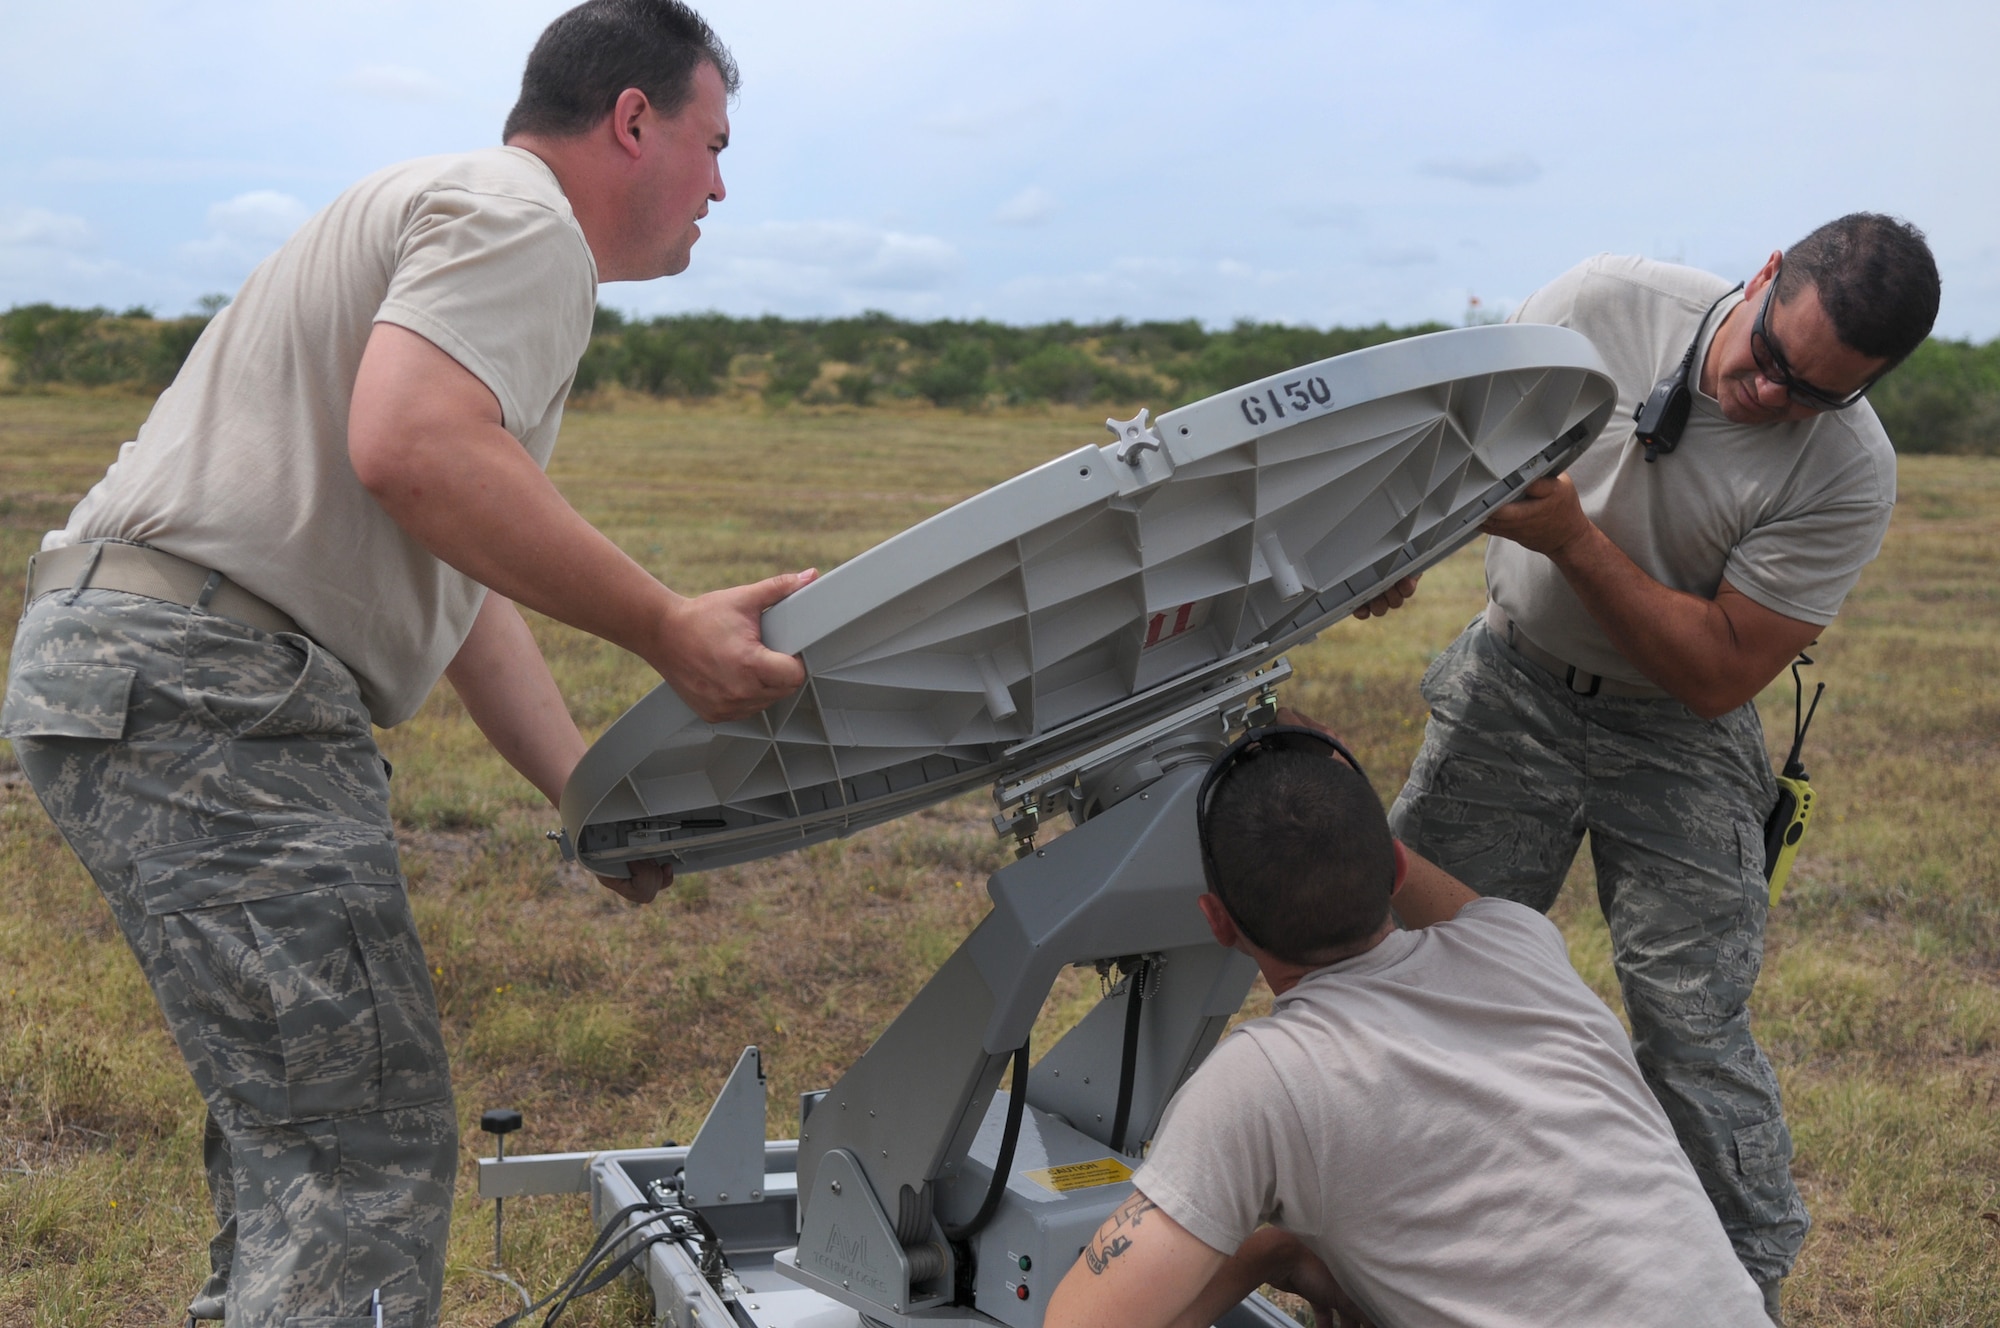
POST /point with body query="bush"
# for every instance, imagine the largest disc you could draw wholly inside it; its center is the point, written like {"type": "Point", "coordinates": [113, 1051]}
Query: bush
{"type": "Point", "coordinates": [94, 348]}
{"type": "Point", "coordinates": [793, 370]}
{"type": "Point", "coordinates": [1944, 398]}
{"type": "Point", "coordinates": [957, 377]}
{"type": "Point", "coordinates": [1067, 374]}
{"type": "Point", "coordinates": [674, 357]}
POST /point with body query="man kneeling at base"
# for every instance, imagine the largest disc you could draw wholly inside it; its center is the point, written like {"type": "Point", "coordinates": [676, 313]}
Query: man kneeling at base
{"type": "Point", "coordinates": [1441, 1125]}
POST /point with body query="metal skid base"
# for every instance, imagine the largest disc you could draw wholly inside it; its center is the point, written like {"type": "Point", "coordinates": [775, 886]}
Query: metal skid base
{"type": "Point", "coordinates": [765, 1287]}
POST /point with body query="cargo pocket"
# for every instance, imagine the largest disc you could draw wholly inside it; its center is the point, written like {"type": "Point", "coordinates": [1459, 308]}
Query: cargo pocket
{"type": "Point", "coordinates": [1762, 1148]}
{"type": "Point", "coordinates": [294, 982]}
{"type": "Point", "coordinates": [68, 699]}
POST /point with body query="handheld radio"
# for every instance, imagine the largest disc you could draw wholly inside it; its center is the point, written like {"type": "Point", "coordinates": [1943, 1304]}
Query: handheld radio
{"type": "Point", "coordinates": [1661, 419]}
{"type": "Point", "coordinates": [1785, 827]}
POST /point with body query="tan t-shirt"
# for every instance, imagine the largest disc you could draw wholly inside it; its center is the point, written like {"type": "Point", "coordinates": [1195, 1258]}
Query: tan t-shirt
{"type": "Point", "coordinates": [1457, 1126]}
{"type": "Point", "coordinates": [242, 465]}
{"type": "Point", "coordinates": [1789, 513]}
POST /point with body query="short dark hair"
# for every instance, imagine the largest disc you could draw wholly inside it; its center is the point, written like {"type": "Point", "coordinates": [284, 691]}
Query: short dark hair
{"type": "Point", "coordinates": [1300, 854]}
{"type": "Point", "coordinates": [588, 56]}
{"type": "Point", "coordinates": [1876, 279]}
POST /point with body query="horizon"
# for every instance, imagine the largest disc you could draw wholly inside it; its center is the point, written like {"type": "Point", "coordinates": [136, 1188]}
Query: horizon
{"type": "Point", "coordinates": [1324, 165]}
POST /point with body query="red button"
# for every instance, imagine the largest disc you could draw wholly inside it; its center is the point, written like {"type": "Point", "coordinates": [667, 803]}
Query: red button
{"type": "Point", "coordinates": [1021, 1291]}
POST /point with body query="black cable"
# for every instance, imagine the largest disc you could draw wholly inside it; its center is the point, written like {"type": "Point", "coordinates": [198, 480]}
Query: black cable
{"type": "Point", "coordinates": [608, 1236]}
{"type": "Point", "coordinates": [1128, 1060]}
{"type": "Point", "coordinates": [1003, 1165]}
{"type": "Point", "coordinates": [605, 1275]}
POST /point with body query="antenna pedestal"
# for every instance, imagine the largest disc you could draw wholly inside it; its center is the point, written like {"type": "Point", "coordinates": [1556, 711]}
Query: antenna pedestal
{"type": "Point", "coordinates": [919, 1115]}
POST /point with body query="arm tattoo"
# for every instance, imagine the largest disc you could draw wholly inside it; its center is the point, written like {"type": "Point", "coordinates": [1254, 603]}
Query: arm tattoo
{"type": "Point", "coordinates": [1113, 1238]}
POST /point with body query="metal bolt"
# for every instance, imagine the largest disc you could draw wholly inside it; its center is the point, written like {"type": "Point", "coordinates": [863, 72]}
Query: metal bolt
{"type": "Point", "coordinates": [836, 1187]}
{"type": "Point", "coordinates": [756, 1194]}
{"type": "Point", "coordinates": [871, 1113]}
{"type": "Point", "coordinates": [722, 1196]}
{"type": "Point", "coordinates": [1086, 1078]}
{"type": "Point", "coordinates": [885, 1153]}
{"type": "Point", "coordinates": [843, 1284]}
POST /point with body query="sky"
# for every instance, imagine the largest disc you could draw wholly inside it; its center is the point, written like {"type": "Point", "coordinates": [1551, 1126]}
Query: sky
{"type": "Point", "coordinates": [1031, 160]}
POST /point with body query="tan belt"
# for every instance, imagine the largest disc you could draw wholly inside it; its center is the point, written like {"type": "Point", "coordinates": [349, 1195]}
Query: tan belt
{"type": "Point", "coordinates": [138, 570]}
{"type": "Point", "coordinates": [1574, 678]}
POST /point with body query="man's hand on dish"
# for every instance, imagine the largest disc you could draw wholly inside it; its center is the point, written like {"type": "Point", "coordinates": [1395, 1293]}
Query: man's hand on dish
{"type": "Point", "coordinates": [714, 654]}
{"type": "Point", "coordinates": [1546, 517]}
{"type": "Point", "coordinates": [1392, 598]}
{"type": "Point", "coordinates": [643, 886]}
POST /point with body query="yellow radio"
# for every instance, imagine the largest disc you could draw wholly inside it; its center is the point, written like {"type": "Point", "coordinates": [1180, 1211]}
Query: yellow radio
{"type": "Point", "coordinates": [1785, 827]}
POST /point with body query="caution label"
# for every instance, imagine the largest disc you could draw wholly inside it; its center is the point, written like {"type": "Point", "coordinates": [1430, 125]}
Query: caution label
{"type": "Point", "coordinates": [1080, 1175]}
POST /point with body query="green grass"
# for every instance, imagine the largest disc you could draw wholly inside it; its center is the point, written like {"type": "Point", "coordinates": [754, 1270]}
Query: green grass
{"type": "Point", "coordinates": [612, 1026]}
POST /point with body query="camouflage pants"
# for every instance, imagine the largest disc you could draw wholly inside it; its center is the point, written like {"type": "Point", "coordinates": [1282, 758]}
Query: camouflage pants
{"type": "Point", "coordinates": [1514, 768]}
{"type": "Point", "coordinates": [223, 787]}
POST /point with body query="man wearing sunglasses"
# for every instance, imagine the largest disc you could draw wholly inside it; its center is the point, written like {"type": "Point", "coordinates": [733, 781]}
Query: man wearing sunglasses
{"type": "Point", "coordinates": [1636, 605]}
{"type": "Point", "coordinates": [1442, 1125]}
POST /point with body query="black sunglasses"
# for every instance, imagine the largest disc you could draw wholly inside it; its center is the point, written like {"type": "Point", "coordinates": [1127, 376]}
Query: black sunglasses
{"type": "Point", "coordinates": [1771, 363]}
{"type": "Point", "coordinates": [1255, 743]}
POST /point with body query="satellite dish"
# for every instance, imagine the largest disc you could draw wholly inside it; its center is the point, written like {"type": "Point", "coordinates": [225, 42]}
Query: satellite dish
{"type": "Point", "coordinates": [1096, 593]}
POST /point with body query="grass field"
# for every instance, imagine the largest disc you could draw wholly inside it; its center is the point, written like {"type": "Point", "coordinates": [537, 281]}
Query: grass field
{"type": "Point", "coordinates": [612, 1026]}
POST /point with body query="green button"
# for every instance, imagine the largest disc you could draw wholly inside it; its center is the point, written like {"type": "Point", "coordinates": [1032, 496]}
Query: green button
{"type": "Point", "coordinates": [1026, 1263]}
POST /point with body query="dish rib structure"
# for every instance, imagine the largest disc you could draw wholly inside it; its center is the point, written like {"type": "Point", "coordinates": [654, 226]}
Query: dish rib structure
{"type": "Point", "coordinates": [1094, 592]}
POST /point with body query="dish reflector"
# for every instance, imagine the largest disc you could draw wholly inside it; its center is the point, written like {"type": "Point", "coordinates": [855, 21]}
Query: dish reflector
{"type": "Point", "coordinates": [1094, 592]}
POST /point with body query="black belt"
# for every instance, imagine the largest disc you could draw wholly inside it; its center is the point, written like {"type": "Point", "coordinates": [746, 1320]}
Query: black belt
{"type": "Point", "coordinates": [1574, 678]}
{"type": "Point", "coordinates": [139, 570]}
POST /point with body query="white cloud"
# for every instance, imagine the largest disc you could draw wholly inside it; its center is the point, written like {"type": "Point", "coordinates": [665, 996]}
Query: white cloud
{"type": "Point", "coordinates": [53, 256]}
{"type": "Point", "coordinates": [396, 83]}
{"type": "Point", "coordinates": [1318, 214]}
{"type": "Point", "coordinates": [977, 122]}
{"type": "Point", "coordinates": [846, 253]}
{"type": "Point", "coordinates": [262, 214]}
{"type": "Point", "coordinates": [807, 268]}
{"type": "Point", "coordinates": [242, 232]}
{"type": "Point", "coordinates": [39, 228]}
{"type": "Point", "coordinates": [1400, 255]}
{"type": "Point", "coordinates": [57, 257]}
{"type": "Point", "coordinates": [1498, 172]}
{"type": "Point", "coordinates": [1129, 287]}
{"type": "Point", "coordinates": [174, 170]}
{"type": "Point", "coordinates": [1031, 207]}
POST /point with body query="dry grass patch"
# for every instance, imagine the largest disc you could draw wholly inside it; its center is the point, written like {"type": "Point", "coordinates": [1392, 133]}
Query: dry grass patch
{"type": "Point", "coordinates": [610, 1026]}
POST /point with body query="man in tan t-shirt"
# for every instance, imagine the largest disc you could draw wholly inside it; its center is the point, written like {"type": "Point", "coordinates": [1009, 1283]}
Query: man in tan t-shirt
{"type": "Point", "coordinates": [340, 499]}
{"type": "Point", "coordinates": [1440, 1126]}
{"type": "Point", "coordinates": [1636, 606]}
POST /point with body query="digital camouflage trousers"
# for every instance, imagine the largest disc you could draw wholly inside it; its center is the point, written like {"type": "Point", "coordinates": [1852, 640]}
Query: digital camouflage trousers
{"type": "Point", "coordinates": [1514, 768]}
{"type": "Point", "coordinates": [223, 787]}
